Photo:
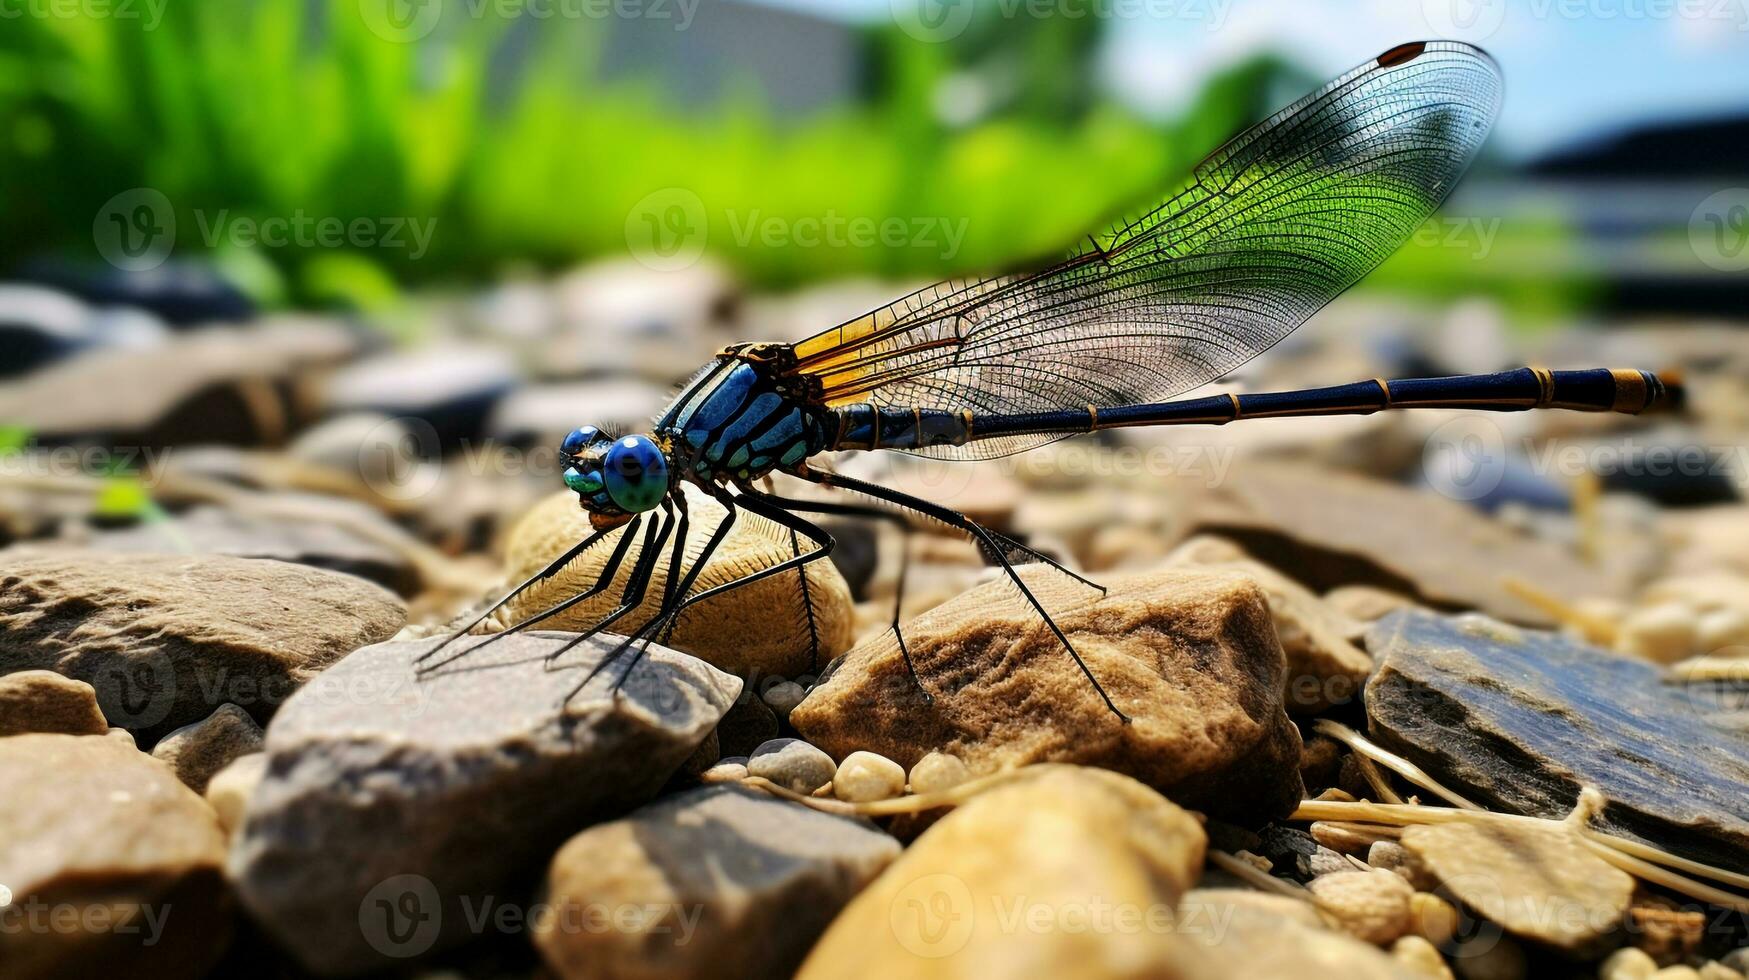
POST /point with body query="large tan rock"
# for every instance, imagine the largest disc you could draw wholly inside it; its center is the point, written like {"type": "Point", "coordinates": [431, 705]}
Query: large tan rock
{"type": "Point", "coordinates": [758, 630]}
{"type": "Point", "coordinates": [726, 882]}
{"type": "Point", "coordinates": [113, 866]}
{"type": "Point", "coordinates": [167, 639]}
{"type": "Point", "coordinates": [1324, 669]}
{"type": "Point", "coordinates": [1244, 934]}
{"type": "Point", "coordinates": [1066, 871]}
{"type": "Point", "coordinates": [1190, 655]}
{"type": "Point", "coordinates": [1542, 885]}
{"type": "Point", "coordinates": [44, 701]}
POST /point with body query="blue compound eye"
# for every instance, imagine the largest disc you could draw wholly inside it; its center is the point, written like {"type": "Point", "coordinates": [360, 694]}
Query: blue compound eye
{"type": "Point", "coordinates": [578, 439]}
{"type": "Point", "coordinates": [585, 482]}
{"type": "Point", "coordinates": [636, 474]}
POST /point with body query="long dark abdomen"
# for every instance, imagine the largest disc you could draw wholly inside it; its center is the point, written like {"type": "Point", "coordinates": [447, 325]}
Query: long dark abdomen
{"type": "Point", "coordinates": [868, 427]}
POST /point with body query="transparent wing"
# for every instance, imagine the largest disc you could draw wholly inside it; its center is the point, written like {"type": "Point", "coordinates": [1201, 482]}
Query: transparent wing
{"type": "Point", "coordinates": [1267, 230]}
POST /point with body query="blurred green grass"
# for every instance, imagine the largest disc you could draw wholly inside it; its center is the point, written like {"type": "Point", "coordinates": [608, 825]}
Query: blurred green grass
{"type": "Point", "coordinates": [259, 109]}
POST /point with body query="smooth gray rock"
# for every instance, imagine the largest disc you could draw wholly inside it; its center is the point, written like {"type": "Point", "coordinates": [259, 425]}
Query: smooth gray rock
{"type": "Point", "coordinates": [744, 884]}
{"type": "Point", "coordinates": [1520, 720]}
{"type": "Point", "coordinates": [166, 639]}
{"type": "Point", "coordinates": [393, 807]}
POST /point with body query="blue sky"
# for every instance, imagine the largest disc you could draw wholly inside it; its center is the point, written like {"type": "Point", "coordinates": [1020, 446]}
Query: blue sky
{"type": "Point", "coordinates": [1574, 68]}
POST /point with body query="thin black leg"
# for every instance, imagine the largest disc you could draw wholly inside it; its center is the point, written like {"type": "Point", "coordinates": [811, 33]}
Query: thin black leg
{"type": "Point", "coordinates": [795, 550]}
{"type": "Point", "coordinates": [663, 618]}
{"type": "Point", "coordinates": [540, 576]}
{"type": "Point", "coordinates": [603, 579]}
{"type": "Point", "coordinates": [955, 519]}
{"type": "Point", "coordinates": [637, 584]}
{"type": "Point", "coordinates": [877, 514]}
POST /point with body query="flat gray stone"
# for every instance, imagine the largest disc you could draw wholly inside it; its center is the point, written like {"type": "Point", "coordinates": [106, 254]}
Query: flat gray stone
{"type": "Point", "coordinates": [166, 639]}
{"type": "Point", "coordinates": [741, 885]}
{"type": "Point", "coordinates": [393, 807]}
{"type": "Point", "coordinates": [1520, 720]}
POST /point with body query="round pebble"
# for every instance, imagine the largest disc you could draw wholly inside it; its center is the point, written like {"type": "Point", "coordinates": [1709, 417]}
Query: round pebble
{"type": "Point", "coordinates": [1433, 918]}
{"type": "Point", "coordinates": [1418, 954]}
{"type": "Point", "coordinates": [1629, 963]}
{"type": "Point", "coordinates": [938, 771]}
{"type": "Point", "coordinates": [1722, 628]}
{"type": "Point", "coordinates": [792, 764]}
{"type": "Point", "coordinates": [864, 777]}
{"type": "Point", "coordinates": [782, 698]}
{"type": "Point", "coordinates": [1372, 906]}
{"type": "Point", "coordinates": [1714, 970]}
{"type": "Point", "coordinates": [1664, 633]}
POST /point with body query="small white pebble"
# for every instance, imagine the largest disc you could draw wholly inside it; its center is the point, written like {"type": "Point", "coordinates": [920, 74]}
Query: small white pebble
{"type": "Point", "coordinates": [864, 777]}
{"type": "Point", "coordinates": [1737, 959]}
{"type": "Point", "coordinates": [1662, 633]}
{"type": "Point", "coordinates": [1677, 973]}
{"type": "Point", "coordinates": [938, 771]}
{"type": "Point", "coordinates": [1714, 970]}
{"type": "Point", "coordinates": [1627, 963]}
{"type": "Point", "coordinates": [782, 698]}
{"type": "Point", "coordinates": [792, 764]}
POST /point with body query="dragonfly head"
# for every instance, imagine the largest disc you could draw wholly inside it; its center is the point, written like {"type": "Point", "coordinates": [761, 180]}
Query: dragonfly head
{"type": "Point", "coordinates": [614, 478]}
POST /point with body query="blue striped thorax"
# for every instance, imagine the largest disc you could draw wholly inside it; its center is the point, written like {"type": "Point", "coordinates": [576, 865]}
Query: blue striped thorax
{"type": "Point", "coordinates": [742, 419]}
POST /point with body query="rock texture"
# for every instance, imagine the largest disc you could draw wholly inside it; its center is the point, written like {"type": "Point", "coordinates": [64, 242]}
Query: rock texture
{"type": "Point", "coordinates": [114, 867]}
{"type": "Point", "coordinates": [1190, 655]}
{"type": "Point", "coordinates": [1243, 934]}
{"type": "Point", "coordinates": [759, 630]}
{"type": "Point", "coordinates": [1542, 885]}
{"type": "Point", "coordinates": [1323, 668]}
{"type": "Point", "coordinates": [195, 752]}
{"type": "Point", "coordinates": [1327, 529]}
{"type": "Point", "coordinates": [166, 639]}
{"type": "Point", "coordinates": [1519, 720]}
{"type": "Point", "coordinates": [44, 701]}
{"type": "Point", "coordinates": [727, 883]}
{"type": "Point", "coordinates": [1027, 880]}
{"type": "Point", "coordinates": [389, 801]}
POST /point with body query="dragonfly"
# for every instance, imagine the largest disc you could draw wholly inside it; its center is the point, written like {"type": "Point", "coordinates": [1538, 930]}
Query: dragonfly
{"type": "Point", "coordinates": [1261, 235]}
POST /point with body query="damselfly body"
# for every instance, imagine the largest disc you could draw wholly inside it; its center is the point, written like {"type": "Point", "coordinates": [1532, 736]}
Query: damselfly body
{"type": "Point", "coordinates": [1265, 232]}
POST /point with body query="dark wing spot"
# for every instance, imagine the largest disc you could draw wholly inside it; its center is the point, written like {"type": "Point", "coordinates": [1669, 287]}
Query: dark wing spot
{"type": "Point", "coordinates": [1402, 54]}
